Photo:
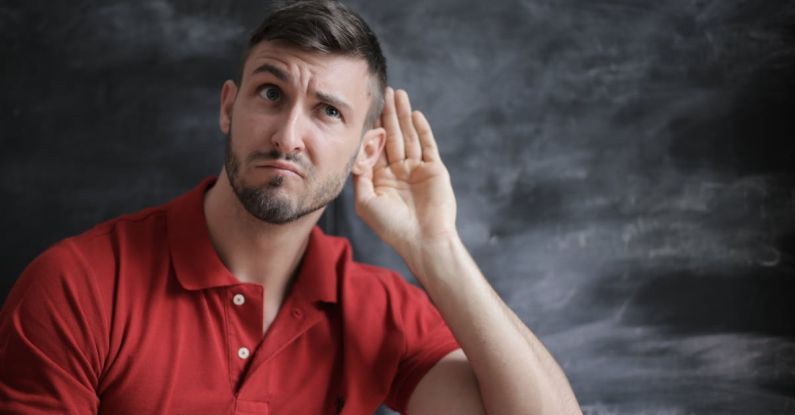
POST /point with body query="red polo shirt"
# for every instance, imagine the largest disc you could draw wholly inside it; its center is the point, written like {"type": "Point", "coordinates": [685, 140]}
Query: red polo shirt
{"type": "Point", "coordinates": [140, 316]}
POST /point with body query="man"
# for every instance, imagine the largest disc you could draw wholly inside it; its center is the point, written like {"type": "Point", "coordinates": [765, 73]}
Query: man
{"type": "Point", "coordinates": [230, 300]}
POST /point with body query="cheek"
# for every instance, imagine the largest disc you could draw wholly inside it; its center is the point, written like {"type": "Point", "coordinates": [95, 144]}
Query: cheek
{"type": "Point", "coordinates": [247, 121]}
{"type": "Point", "coordinates": [251, 130]}
{"type": "Point", "coordinates": [331, 148]}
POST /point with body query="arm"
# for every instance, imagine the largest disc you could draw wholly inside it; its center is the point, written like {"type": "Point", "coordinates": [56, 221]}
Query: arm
{"type": "Point", "coordinates": [50, 342]}
{"type": "Point", "coordinates": [408, 200]}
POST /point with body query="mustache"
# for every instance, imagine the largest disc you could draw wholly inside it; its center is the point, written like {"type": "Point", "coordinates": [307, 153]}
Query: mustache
{"type": "Point", "coordinates": [272, 155]}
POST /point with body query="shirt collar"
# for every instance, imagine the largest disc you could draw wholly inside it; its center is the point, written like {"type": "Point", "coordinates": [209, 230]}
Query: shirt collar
{"type": "Point", "coordinates": [197, 265]}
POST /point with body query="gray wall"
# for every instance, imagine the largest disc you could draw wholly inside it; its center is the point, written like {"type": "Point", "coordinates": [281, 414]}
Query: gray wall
{"type": "Point", "coordinates": [625, 169]}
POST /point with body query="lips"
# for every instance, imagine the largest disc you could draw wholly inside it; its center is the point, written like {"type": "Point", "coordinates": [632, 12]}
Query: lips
{"type": "Point", "coordinates": [281, 166]}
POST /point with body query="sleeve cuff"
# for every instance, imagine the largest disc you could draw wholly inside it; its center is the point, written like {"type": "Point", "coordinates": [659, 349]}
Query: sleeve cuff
{"type": "Point", "coordinates": [414, 369]}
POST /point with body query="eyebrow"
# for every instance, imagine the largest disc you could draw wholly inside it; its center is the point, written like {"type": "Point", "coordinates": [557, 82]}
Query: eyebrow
{"type": "Point", "coordinates": [277, 72]}
{"type": "Point", "coordinates": [333, 101]}
{"type": "Point", "coordinates": [285, 77]}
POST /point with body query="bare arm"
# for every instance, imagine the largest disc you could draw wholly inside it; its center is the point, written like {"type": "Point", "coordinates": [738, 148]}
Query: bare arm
{"type": "Point", "coordinates": [514, 371]}
{"type": "Point", "coordinates": [407, 198]}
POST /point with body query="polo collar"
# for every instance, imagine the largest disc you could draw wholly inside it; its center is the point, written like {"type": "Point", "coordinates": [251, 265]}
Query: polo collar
{"type": "Point", "coordinates": [197, 265]}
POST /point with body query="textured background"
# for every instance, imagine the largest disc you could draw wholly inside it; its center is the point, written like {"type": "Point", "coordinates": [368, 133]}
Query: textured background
{"type": "Point", "coordinates": [625, 169]}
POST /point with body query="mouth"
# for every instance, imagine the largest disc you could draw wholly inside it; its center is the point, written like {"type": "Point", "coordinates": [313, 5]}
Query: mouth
{"type": "Point", "coordinates": [281, 167]}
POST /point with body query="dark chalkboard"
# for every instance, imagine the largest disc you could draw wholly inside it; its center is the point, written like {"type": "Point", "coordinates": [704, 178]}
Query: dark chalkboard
{"type": "Point", "coordinates": [625, 169]}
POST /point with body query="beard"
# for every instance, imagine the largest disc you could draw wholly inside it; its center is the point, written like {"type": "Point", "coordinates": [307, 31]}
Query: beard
{"type": "Point", "coordinates": [268, 202]}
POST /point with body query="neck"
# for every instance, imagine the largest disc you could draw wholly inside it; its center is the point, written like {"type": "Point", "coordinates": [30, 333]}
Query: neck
{"type": "Point", "coordinates": [255, 251]}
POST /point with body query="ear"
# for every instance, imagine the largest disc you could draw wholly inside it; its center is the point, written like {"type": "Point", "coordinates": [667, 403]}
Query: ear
{"type": "Point", "coordinates": [369, 151]}
{"type": "Point", "coordinates": [228, 95]}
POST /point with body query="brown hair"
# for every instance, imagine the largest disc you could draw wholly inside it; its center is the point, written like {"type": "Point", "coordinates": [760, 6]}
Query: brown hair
{"type": "Point", "coordinates": [327, 26]}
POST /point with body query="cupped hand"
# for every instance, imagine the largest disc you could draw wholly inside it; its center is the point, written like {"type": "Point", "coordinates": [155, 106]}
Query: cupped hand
{"type": "Point", "coordinates": [406, 197]}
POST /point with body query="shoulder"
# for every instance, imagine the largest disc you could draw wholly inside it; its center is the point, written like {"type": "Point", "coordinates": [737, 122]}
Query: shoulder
{"type": "Point", "coordinates": [336, 251]}
{"type": "Point", "coordinates": [129, 226]}
{"type": "Point", "coordinates": [86, 263]}
{"type": "Point", "coordinates": [360, 280]}
{"type": "Point", "coordinates": [382, 293]}
{"type": "Point", "coordinates": [58, 317]}
{"type": "Point", "coordinates": [368, 279]}
{"type": "Point", "coordinates": [365, 279]}
{"type": "Point", "coordinates": [111, 238]}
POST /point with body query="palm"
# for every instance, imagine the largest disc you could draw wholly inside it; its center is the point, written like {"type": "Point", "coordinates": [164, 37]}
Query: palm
{"type": "Point", "coordinates": [407, 196]}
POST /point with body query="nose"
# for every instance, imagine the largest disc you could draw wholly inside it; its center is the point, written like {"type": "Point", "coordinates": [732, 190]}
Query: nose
{"type": "Point", "coordinates": [289, 136]}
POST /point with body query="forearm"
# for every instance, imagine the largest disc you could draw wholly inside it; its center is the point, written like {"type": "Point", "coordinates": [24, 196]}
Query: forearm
{"type": "Point", "coordinates": [515, 372]}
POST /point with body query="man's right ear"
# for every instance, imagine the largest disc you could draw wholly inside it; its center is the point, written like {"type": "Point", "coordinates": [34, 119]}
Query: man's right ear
{"type": "Point", "coordinates": [228, 95]}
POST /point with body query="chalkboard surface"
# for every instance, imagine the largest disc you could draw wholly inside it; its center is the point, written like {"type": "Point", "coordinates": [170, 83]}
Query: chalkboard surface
{"type": "Point", "coordinates": [625, 169]}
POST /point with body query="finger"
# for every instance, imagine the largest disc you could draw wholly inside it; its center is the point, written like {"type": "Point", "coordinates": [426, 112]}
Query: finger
{"type": "Point", "coordinates": [382, 161]}
{"type": "Point", "coordinates": [394, 138]}
{"type": "Point", "coordinates": [411, 142]}
{"type": "Point", "coordinates": [430, 152]}
{"type": "Point", "coordinates": [363, 189]}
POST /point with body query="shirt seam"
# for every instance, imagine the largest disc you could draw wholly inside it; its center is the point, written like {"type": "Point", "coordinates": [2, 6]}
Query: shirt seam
{"type": "Point", "coordinates": [229, 364]}
{"type": "Point", "coordinates": [98, 231]}
{"type": "Point", "coordinates": [90, 273]}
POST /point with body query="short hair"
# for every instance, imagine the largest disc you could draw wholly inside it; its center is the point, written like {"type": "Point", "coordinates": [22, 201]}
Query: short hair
{"type": "Point", "coordinates": [326, 26]}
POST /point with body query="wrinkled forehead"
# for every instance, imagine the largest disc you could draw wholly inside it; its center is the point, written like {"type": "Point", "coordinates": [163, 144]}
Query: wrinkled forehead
{"type": "Point", "coordinates": [309, 69]}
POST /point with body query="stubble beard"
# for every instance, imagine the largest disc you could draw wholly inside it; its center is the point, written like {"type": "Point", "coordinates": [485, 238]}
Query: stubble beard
{"type": "Point", "coordinates": [266, 204]}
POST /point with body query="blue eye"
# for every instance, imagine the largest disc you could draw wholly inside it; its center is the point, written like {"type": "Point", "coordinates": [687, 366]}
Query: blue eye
{"type": "Point", "coordinates": [271, 93]}
{"type": "Point", "coordinates": [332, 112]}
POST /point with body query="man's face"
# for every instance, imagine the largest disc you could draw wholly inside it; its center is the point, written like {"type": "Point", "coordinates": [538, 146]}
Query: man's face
{"type": "Point", "coordinates": [293, 129]}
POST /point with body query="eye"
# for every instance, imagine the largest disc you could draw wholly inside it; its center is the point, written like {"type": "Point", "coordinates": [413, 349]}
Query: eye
{"type": "Point", "coordinates": [271, 93]}
{"type": "Point", "coordinates": [332, 112]}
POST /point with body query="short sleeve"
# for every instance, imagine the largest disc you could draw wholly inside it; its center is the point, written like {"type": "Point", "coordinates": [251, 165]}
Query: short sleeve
{"type": "Point", "coordinates": [50, 331]}
{"type": "Point", "coordinates": [427, 340]}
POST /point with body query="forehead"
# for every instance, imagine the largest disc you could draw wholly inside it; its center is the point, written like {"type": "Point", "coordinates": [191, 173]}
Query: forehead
{"type": "Point", "coordinates": [336, 73]}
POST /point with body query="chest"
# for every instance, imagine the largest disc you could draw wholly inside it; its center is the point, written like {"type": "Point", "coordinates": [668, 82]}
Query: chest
{"type": "Point", "coordinates": [205, 352]}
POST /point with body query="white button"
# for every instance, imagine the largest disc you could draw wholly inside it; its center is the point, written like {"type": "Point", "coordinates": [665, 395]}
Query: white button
{"type": "Point", "coordinates": [243, 353]}
{"type": "Point", "coordinates": [238, 299]}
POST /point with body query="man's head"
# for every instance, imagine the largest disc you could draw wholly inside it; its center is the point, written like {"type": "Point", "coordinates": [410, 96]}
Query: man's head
{"type": "Point", "coordinates": [310, 92]}
{"type": "Point", "coordinates": [327, 27]}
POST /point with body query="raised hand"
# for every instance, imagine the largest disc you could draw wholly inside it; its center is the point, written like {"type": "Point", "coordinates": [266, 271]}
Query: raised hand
{"type": "Point", "coordinates": [406, 198]}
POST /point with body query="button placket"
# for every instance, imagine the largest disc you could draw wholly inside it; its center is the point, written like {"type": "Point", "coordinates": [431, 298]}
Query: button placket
{"type": "Point", "coordinates": [244, 312]}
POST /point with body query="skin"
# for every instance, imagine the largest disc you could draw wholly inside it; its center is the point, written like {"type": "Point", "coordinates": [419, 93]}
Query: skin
{"type": "Point", "coordinates": [321, 148]}
{"type": "Point", "coordinates": [402, 191]}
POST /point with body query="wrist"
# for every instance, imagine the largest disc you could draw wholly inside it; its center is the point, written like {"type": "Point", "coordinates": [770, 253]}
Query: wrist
{"type": "Point", "coordinates": [415, 246]}
{"type": "Point", "coordinates": [426, 256]}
